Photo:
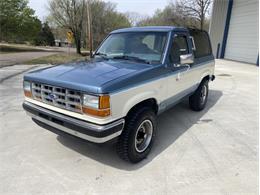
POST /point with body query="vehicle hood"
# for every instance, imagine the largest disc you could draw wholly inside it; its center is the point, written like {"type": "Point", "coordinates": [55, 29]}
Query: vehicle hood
{"type": "Point", "coordinates": [86, 76]}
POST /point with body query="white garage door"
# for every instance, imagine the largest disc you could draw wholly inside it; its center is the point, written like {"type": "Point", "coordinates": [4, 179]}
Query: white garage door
{"type": "Point", "coordinates": [242, 40]}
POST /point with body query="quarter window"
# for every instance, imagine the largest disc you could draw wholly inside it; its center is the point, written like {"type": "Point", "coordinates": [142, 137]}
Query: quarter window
{"type": "Point", "coordinates": [202, 43]}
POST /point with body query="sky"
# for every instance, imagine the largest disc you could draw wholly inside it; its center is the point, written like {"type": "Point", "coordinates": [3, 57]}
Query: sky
{"type": "Point", "coordinates": [143, 7]}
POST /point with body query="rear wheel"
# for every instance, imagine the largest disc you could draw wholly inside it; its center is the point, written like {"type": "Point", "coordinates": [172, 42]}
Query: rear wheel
{"type": "Point", "coordinates": [199, 99]}
{"type": "Point", "coordinates": [136, 140]}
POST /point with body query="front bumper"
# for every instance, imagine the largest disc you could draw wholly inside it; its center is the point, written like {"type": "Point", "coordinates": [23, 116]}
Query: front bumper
{"type": "Point", "coordinates": [60, 124]}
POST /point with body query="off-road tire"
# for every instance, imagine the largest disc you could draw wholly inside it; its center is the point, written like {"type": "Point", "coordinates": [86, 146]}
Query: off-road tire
{"type": "Point", "coordinates": [195, 100]}
{"type": "Point", "coordinates": [126, 147]}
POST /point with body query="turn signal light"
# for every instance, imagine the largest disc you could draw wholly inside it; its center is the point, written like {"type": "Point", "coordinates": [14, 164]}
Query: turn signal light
{"type": "Point", "coordinates": [94, 112]}
{"type": "Point", "coordinates": [28, 94]}
{"type": "Point", "coordinates": [104, 102]}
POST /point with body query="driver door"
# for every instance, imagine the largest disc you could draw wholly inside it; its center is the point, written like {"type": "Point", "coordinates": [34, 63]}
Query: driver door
{"type": "Point", "coordinates": [179, 83]}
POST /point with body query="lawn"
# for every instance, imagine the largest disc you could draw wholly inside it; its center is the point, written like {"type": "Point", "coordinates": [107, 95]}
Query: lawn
{"type": "Point", "coordinates": [57, 59]}
{"type": "Point", "coordinates": [10, 48]}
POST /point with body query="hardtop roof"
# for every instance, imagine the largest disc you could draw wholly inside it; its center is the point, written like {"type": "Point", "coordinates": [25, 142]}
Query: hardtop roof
{"type": "Point", "coordinates": [150, 29]}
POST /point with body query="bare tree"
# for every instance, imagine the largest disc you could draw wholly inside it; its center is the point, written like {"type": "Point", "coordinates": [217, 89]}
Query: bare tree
{"type": "Point", "coordinates": [69, 14]}
{"type": "Point", "coordinates": [104, 18]}
{"type": "Point", "coordinates": [171, 15]}
{"type": "Point", "coordinates": [197, 9]}
{"type": "Point", "coordinates": [134, 17]}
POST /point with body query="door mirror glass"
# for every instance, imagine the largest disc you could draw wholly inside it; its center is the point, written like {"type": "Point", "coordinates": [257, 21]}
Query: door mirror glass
{"type": "Point", "coordinates": [186, 59]}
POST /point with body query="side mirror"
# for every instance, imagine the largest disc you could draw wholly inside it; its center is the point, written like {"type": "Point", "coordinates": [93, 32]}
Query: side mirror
{"type": "Point", "coordinates": [186, 59]}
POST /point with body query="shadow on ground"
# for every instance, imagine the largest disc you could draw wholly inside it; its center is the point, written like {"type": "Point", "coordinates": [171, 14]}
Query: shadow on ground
{"type": "Point", "coordinates": [171, 125]}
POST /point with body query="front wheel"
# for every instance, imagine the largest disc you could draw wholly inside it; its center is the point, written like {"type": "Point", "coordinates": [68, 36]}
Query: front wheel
{"type": "Point", "coordinates": [136, 140]}
{"type": "Point", "coordinates": [199, 99]}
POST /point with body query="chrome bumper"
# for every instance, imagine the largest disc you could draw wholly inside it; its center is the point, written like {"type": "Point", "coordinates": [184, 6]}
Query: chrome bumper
{"type": "Point", "coordinates": [60, 124]}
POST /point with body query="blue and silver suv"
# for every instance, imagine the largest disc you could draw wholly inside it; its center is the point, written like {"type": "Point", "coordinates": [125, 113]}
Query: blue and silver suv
{"type": "Point", "coordinates": [136, 74]}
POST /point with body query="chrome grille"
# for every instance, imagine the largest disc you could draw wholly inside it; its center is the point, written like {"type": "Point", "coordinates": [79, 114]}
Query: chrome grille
{"type": "Point", "coordinates": [57, 96]}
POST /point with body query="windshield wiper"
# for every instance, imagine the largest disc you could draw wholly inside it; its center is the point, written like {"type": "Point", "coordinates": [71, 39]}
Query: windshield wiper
{"type": "Point", "coordinates": [126, 57]}
{"type": "Point", "coordinates": [103, 55]}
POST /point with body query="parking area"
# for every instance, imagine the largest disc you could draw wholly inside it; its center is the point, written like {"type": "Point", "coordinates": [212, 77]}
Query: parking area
{"type": "Point", "coordinates": [214, 151]}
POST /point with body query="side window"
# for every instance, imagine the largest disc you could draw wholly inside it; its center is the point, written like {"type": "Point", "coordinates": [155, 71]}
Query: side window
{"type": "Point", "coordinates": [179, 47]}
{"type": "Point", "coordinates": [202, 44]}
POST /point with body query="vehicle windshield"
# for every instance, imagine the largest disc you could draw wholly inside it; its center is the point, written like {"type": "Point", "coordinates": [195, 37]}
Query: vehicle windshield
{"type": "Point", "coordinates": [139, 46]}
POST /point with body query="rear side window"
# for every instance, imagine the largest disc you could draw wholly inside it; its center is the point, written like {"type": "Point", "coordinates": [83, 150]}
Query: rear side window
{"type": "Point", "coordinates": [202, 43]}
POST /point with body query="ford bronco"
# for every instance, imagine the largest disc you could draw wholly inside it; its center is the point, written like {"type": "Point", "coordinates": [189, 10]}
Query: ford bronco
{"type": "Point", "coordinates": [135, 74]}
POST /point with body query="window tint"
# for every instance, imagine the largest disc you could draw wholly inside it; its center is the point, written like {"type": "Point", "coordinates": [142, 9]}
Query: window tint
{"type": "Point", "coordinates": [179, 47]}
{"type": "Point", "coordinates": [202, 44]}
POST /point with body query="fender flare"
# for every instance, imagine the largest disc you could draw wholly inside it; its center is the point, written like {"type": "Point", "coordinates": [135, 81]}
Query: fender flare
{"type": "Point", "coordinates": [205, 74]}
{"type": "Point", "coordinates": [138, 98]}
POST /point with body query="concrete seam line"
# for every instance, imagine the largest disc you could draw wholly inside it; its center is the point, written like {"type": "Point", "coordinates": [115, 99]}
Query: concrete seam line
{"type": "Point", "coordinates": [13, 75]}
{"type": "Point", "coordinates": [3, 66]}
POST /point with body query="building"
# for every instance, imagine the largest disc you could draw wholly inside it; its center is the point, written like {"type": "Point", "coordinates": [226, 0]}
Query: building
{"type": "Point", "coordinates": [234, 30]}
{"type": "Point", "coordinates": [61, 43]}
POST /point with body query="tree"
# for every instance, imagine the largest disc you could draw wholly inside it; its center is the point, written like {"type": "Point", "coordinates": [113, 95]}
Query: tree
{"type": "Point", "coordinates": [105, 19]}
{"type": "Point", "coordinates": [176, 14]}
{"type": "Point", "coordinates": [69, 14]}
{"type": "Point", "coordinates": [134, 18]}
{"type": "Point", "coordinates": [45, 37]}
{"type": "Point", "coordinates": [197, 9]}
{"type": "Point", "coordinates": [73, 15]}
{"type": "Point", "coordinates": [17, 21]}
{"type": "Point", "coordinates": [171, 15]}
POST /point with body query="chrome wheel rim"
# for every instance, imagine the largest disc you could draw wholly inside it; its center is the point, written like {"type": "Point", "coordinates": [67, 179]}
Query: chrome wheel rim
{"type": "Point", "coordinates": [204, 92]}
{"type": "Point", "coordinates": [143, 136]}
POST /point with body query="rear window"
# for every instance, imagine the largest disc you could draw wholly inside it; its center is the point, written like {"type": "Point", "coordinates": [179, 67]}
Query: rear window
{"type": "Point", "coordinates": [202, 43]}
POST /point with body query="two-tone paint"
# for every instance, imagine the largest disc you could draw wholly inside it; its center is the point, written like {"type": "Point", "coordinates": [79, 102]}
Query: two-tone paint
{"type": "Point", "coordinates": [128, 83]}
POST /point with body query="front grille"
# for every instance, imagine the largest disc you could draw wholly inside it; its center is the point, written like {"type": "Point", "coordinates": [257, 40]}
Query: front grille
{"type": "Point", "coordinates": [57, 96]}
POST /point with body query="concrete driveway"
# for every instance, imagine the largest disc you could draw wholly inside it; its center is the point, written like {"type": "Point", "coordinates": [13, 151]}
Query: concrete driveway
{"type": "Point", "coordinates": [210, 152]}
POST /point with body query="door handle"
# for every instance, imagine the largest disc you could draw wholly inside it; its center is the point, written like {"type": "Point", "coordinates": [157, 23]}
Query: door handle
{"type": "Point", "coordinates": [179, 74]}
{"type": "Point", "coordinates": [188, 67]}
{"type": "Point", "coordinates": [176, 65]}
{"type": "Point", "coordinates": [180, 65]}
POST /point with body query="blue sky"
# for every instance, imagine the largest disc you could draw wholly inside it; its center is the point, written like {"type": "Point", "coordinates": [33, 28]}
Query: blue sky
{"type": "Point", "coordinates": [143, 7]}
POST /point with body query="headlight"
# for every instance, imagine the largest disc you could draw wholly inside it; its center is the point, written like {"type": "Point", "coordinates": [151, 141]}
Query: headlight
{"type": "Point", "coordinates": [91, 101]}
{"type": "Point", "coordinates": [96, 105]}
{"type": "Point", "coordinates": [27, 89]}
{"type": "Point", "coordinates": [26, 86]}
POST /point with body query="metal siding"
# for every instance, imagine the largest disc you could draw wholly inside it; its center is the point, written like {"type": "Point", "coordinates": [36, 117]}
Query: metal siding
{"type": "Point", "coordinates": [217, 24]}
{"type": "Point", "coordinates": [242, 41]}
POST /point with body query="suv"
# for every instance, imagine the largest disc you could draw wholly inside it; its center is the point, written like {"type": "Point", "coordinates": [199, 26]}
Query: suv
{"type": "Point", "coordinates": [135, 75]}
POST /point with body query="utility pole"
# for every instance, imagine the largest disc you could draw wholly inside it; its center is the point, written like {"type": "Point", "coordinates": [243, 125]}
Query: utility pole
{"type": "Point", "coordinates": [89, 30]}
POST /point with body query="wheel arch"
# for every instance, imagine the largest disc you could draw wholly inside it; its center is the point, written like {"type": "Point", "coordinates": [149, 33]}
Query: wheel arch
{"type": "Point", "coordinates": [205, 76]}
{"type": "Point", "coordinates": [149, 102]}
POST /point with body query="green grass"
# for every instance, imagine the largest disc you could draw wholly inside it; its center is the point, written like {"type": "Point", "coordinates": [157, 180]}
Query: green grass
{"type": "Point", "coordinates": [57, 59]}
{"type": "Point", "coordinates": [10, 48]}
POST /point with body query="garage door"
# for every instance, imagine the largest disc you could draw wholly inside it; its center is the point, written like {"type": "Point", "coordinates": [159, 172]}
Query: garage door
{"type": "Point", "coordinates": [242, 40]}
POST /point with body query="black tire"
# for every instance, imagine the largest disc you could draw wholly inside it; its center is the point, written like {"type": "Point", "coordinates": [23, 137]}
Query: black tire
{"type": "Point", "coordinates": [198, 101]}
{"type": "Point", "coordinates": [126, 146]}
